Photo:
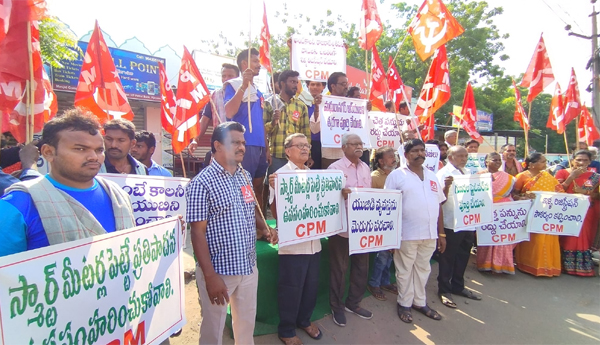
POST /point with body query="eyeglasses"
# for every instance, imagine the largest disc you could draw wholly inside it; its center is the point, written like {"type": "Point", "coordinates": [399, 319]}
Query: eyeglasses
{"type": "Point", "coordinates": [302, 146]}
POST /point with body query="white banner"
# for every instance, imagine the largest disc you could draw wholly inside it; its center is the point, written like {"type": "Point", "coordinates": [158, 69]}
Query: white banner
{"type": "Point", "coordinates": [374, 220]}
{"type": "Point", "coordinates": [309, 205]}
{"type": "Point", "coordinates": [509, 224]}
{"type": "Point", "coordinates": [476, 162]}
{"type": "Point", "coordinates": [317, 57]}
{"type": "Point", "coordinates": [557, 213]}
{"type": "Point", "coordinates": [341, 115]}
{"type": "Point", "coordinates": [432, 157]}
{"type": "Point", "coordinates": [152, 197]}
{"type": "Point", "coordinates": [473, 201]}
{"type": "Point", "coordinates": [383, 130]}
{"type": "Point", "coordinates": [125, 287]}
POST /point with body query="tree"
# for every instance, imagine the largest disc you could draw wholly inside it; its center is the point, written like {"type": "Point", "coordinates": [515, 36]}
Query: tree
{"type": "Point", "coordinates": [57, 42]}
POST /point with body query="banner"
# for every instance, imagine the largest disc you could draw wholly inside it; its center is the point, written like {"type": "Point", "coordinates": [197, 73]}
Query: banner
{"type": "Point", "coordinates": [309, 205]}
{"type": "Point", "coordinates": [484, 123]}
{"type": "Point", "coordinates": [125, 287]}
{"type": "Point", "coordinates": [374, 220]}
{"type": "Point", "coordinates": [383, 130]}
{"type": "Point", "coordinates": [472, 201]}
{"type": "Point", "coordinates": [138, 73]}
{"type": "Point", "coordinates": [432, 157]}
{"type": "Point", "coordinates": [341, 115]}
{"type": "Point", "coordinates": [152, 197]}
{"type": "Point", "coordinates": [317, 57]}
{"type": "Point", "coordinates": [476, 162]}
{"type": "Point", "coordinates": [509, 224]}
{"type": "Point", "coordinates": [557, 213]}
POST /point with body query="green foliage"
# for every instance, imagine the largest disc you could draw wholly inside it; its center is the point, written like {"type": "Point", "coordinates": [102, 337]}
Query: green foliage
{"type": "Point", "coordinates": [57, 42]}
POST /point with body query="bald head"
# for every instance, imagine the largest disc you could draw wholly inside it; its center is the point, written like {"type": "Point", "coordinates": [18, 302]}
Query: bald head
{"type": "Point", "coordinates": [458, 156]}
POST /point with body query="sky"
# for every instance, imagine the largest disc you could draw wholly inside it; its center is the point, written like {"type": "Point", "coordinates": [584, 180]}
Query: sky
{"type": "Point", "coordinates": [177, 22]}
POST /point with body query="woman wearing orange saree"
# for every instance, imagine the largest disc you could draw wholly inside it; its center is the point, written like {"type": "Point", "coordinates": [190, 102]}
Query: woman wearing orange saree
{"type": "Point", "coordinates": [541, 255]}
{"type": "Point", "coordinates": [576, 251]}
{"type": "Point", "coordinates": [498, 259]}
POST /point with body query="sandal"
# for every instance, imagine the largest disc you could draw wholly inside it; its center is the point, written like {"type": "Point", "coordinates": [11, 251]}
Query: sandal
{"type": "Point", "coordinates": [430, 313]}
{"type": "Point", "coordinates": [313, 331]}
{"type": "Point", "coordinates": [469, 294]}
{"type": "Point", "coordinates": [404, 314]}
{"type": "Point", "coordinates": [291, 341]}
{"type": "Point", "coordinates": [447, 301]}
{"type": "Point", "coordinates": [376, 292]}
{"type": "Point", "coordinates": [390, 288]}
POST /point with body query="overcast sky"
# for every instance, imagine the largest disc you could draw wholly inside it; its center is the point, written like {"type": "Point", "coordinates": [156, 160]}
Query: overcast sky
{"type": "Point", "coordinates": [177, 22]}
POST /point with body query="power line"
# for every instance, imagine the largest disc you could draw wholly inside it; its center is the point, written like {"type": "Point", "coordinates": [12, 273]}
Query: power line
{"type": "Point", "coordinates": [567, 13]}
{"type": "Point", "coordinates": [553, 11]}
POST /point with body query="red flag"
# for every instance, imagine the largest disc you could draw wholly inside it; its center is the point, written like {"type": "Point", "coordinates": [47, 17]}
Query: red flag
{"type": "Point", "coordinates": [556, 119]}
{"type": "Point", "coordinates": [167, 100]}
{"type": "Point", "coordinates": [370, 25]}
{"type": "Point", "coordinates": [520, 115]}
{"type": "Point", "coordinates": [432, 27]}
{"type": "Point", "coordinates": [587, 131]}
{"type": "Point", "coordinates": [378, 86]}
{"type": "Point", "coordinates": [470, 128]}
{"type": "Point", "coordinates": [99, 88]}
{"type": "Point", "coordinates": [572, 104]}
{"type": "Point", "coordinates": [395, 84]}
{"type": "Point", "coordinates": [428, 131]}
{"type": "Point", "coordinates": [539, 73]}
{"type": "Point", "coordinates": [468, 111]}
{"type": "Point", "coordinates": [436, 89]}
{"type": "Point", "coordinates": [265, 37]}
{"type": "Point", "coordinates": [192, 96]}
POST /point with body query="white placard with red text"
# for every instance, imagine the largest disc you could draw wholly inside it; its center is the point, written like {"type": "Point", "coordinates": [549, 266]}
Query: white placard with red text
{"type": "Point", "coordinates": [341, 115]}
{"type": "Point", "coordinates": [509, 224]}
{"type": "Point", "coordinates": [557, 213]}
{"type": "Point", "coordinates": [432, 157]}
{"type": "Point", "coordinates": [383, 130]}
{"type": "Point", "coordinates": [374, 220]}
{"type": "Point", "coordinates": [317, 57]}
{"type": "Point", "coordinates": [309, 205]}
{"type": "Point", "coordinates": [473, 201]}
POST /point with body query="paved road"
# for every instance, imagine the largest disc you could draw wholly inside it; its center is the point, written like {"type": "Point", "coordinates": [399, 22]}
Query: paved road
{"type": "Point", "coordinates": [518, 309]}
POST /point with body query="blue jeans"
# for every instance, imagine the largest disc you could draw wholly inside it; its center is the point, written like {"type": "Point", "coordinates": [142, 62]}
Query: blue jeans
{"type": "Point", "coordinates": [381, 270]}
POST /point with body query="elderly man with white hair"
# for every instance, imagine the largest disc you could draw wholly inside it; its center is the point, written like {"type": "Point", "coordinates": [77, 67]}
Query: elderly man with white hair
{"type": "Point", "coordinates": [451, 138]}
{"type": "Point", "coordinates": [358, 175]}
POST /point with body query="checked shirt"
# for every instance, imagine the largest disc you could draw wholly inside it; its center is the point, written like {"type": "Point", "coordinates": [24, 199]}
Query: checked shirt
{"type": "Point", "coordinates": [294, 119]}
{"type": "Point", "coordinates": [216, 196]}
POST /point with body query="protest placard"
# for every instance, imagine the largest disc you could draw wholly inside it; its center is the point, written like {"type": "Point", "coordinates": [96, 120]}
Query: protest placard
{"type": "Point", "coordinates": [406, 123]}
{"type": "Point", "coordinates": [152, 197]}
{"type": "Point", "coordinates": [317, 57]}
{"type": "Point", "coordinates": [309, 205]}
{"type": "Point", "coordinates": [374, 220]}
{"type": "Point", "coordinates": [340, 115]}
{"type": "Point", "coordinates": [476, 162]}
{"type": "Point", "coordinates": [472, 201]}
{"type": "Point", "coordinates": [383, 130]}
{"type": "Point", "coordinates": [508, 225]}
{"type": "Point", "coordinates": [557, 213]}
{"type": "Point", "coordinates": [432, 157]}
{"type": "Point", "coordinates": [125, 287]}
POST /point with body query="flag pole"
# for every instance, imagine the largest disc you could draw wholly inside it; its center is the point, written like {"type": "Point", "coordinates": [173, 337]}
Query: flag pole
{"type": "Point", "coordinates": [526, 131]}
{"type": "Point", "coordinates": [368, 74]}
{"type": "Point", "coordinates": [28, 95]}
{"type": "Point", "coordinates": [546, 143]}
{"type": "Point", "coordinates": [182, 165]}
{"type": "Point", "coordinates": [31, 99]}
{"type": "Point", "coordinates": [256, 200]}
{"type": "Point", "coordinates": [249, 58]}
{"type": "Point", "coordinates": [567, 147]}
{"type": "Point", "coordinates": [214, 109]}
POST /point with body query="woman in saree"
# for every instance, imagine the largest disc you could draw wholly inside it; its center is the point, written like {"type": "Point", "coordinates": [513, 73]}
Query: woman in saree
{"type": "Point", "coordinates": [577, 251]}
{"type": "Point", "coordinates": [540, 256]}
{"type": "Point", "coordinates": [497, 259]}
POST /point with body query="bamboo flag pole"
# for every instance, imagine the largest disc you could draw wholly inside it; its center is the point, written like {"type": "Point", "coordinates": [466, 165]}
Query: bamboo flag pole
{"type": "Point", "coordinates": [31, 99]}
{"type": "Point", "coordinates": [28, 95]}
{"type": "Point", "coordinates": [368, 74]}
{"type": "Point", "coordinates": [567, 147]}
{"type": "Point", "coordinates": [182, 165]}
{"type": "Point", "coordinates": [546, 144]}
{"type": "Point", "coordinates": [256, 200]}
{"type": "Point", "coordinates": [526, 131]}
{"type": "Point", "coordinates": [249, 59]}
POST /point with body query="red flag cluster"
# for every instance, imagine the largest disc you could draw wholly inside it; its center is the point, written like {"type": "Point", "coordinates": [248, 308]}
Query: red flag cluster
{"type": "Point", "coordinates": [19, 34]}
{"type": "Point", "coordinates": [468, 115]}
{"type": "Point", "coordinates": [433, 27]}
{"type": "Point", "coordinates": [539, 72]}
{"type": "Point", "coordinates": [378, 81]}
{"type": "Point", "coordinates": [370, 25]}
{"type": "Point", "coordinates": [396, 91]}
{"type": "Point", "coordinates": [99, 88]}
{"type": "Point", "coordinates": [436, 89]}
{"type": "Point", "coordinates": [587, 131]}
{"type": "Point", "coordinates": [265, 37]}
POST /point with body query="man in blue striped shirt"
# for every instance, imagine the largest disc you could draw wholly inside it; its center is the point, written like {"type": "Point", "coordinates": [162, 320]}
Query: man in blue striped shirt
{"type": "Point", "coordinates": [221, 211]}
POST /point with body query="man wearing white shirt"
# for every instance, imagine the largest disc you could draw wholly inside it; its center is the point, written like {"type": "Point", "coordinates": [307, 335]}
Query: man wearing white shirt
{"type": "Point", "coordinates": [298, 263]}
{"type": "Point", "coordinates": [451, 138]}
{"type": "Point", "coordinates": [454, 260]}
{"type": "Point", "coordinates": [421, 225]}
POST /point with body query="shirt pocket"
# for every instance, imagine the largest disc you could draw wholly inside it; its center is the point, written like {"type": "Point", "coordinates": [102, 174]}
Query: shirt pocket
{"type": "Point", "coordinates": [222, 202]}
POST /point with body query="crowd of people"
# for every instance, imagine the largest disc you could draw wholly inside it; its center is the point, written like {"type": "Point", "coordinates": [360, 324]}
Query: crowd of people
{"type": "Point", "coordinates": [254, 139]}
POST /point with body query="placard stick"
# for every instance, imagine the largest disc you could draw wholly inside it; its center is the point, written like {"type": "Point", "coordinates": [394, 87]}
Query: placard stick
{"type": "Point", "coordinates": [31, 100]}
{"type": "Point", "coordinates": [182, 165]}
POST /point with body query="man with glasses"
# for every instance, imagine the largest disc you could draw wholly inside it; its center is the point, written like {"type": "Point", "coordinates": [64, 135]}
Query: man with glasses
{"type": "Point", "coordinates": [284, 115]}
{"type": "Point", "coordinates": [298, 263]}
{"type": "Point", "coordinates": [358, 175]}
